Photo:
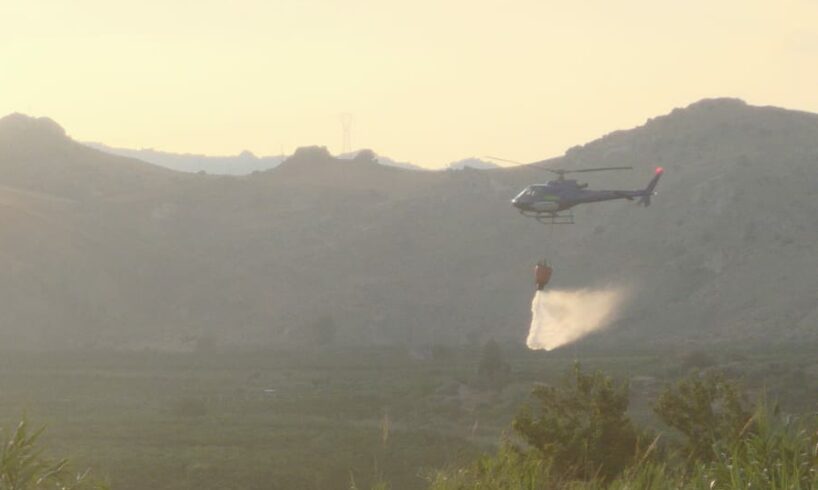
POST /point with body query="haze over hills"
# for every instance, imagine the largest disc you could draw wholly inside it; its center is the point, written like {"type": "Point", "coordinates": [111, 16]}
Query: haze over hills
{"type": "Point", "coordinates": [246, 162]}
{"type": "Point", "coordinates": [242, 164]}
{"type": "Point", "coordinates": [106, 251]}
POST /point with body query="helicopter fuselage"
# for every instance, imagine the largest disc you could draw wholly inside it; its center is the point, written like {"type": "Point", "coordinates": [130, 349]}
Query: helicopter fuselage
{"type": "Point", "coordinates": [545, 201]}
{"type": "Point", "coordinates": [559, 195]}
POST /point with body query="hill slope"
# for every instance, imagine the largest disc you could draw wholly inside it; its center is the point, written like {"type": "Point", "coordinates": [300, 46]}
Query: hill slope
{"type": "Point", "coordinates": [111, 251]}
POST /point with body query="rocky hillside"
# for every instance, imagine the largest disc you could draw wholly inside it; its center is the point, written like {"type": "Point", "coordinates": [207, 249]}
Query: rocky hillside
{"type": "Point", "coordinates": [108, 251]}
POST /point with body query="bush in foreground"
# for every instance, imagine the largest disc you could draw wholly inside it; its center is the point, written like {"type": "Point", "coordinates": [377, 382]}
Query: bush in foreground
{"type": "Point", "coordinates": [724, 446]}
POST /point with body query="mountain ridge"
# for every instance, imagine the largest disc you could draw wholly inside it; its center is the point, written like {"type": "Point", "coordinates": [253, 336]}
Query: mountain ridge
{"type": "Point", "coordinates": [134, 256]}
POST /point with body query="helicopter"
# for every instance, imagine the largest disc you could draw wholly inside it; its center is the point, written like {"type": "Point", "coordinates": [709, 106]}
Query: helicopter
{"type": "Point", "coordinates": [545, 202]}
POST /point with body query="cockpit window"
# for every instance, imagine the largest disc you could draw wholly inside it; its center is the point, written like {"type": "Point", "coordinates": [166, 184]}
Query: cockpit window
{"type": "Point", "coordinates": [535, 191]}
{"type": "Point", "coordinates": [525, 193]}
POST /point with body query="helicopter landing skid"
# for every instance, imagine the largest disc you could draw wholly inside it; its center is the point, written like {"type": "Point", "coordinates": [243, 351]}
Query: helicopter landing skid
{"type": "Point", "coordinates": [552, 218]}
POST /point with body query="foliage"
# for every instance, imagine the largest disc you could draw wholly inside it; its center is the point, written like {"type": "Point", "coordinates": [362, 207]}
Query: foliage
{"type": "Point", "coordinates": [706, 408]}
{"type": "Point", "coordinates": [510, 468]}
{"type": "Point", "coordinates": [189, 407]}
{"type": "Point", "coordinates": [492, 367]}
{"type": "Point", "coordinates": [115, 413]}
{"type": "Point", "coordinates": [739, 450]}
{"type": "Point", "coordinates": [491, 361]}
{"type": "Point", "coordinates": [581, 426]}
{"type": "Point", "coordinates": [781, 452]}
{"type": "Point", "coordinates": [378, 484]}
{"type": "Point", "coordinates": [697, 360]}
{"type": "Point", "coordinates": [23, 466]}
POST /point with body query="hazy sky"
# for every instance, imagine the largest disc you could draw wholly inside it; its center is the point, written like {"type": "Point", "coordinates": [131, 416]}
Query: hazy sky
{"type": "Point", "coordinates": [427, 81]}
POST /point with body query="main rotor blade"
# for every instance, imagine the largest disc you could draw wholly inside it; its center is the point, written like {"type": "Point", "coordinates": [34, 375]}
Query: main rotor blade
{"type": "Point", "coordinates": [600, 169]}
{"type": "Point", "coordinates": [558, 171]}
{"type": "Point", "coordinates": [532, 164]}
{"type": "Point", "coordinates": [504, 160]}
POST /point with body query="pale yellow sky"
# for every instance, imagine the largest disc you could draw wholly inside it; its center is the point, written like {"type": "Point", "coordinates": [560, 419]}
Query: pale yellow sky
{"type": "Point", "coordinates": [427, 81]}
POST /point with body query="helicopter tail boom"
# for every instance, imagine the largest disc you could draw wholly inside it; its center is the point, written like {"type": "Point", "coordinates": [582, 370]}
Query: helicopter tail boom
{"type": "Point", "coordinates": [649, 190]}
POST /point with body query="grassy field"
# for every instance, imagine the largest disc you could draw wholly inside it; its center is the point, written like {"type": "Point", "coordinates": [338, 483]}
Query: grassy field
{"type": "Point", "coordinates": [316, 419]}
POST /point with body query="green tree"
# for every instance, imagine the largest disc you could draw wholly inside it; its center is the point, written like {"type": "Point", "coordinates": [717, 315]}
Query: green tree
{"type": "Point", "coordinates": [581, 426]}
{"type": "Point", "coordinates": [189, 407]}
{"type": "Point", "coordinates": [492, 363]}
{"type": "Point", "coordinates": [708, 409]}
{"type": "Point", "coordinates": [697, 360]}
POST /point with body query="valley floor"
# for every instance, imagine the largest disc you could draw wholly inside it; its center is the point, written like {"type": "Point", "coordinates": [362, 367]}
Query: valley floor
{"type": "Point", "coordinates": [323, 418]}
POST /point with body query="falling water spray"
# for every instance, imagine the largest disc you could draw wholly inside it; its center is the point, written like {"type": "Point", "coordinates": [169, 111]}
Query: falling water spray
{"type": "Point", "coordinates": [559, 318]}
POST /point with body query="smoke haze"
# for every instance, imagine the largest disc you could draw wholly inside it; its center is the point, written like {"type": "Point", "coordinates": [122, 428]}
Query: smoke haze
{"type": "Point", "coordinates": [561, 317]}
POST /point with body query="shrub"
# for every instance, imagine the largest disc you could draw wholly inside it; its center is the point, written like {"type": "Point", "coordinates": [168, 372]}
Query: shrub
{"type": "Point", "coordinates": [581, 426]}
{"type": "Point", "coordinates": [705, 408]}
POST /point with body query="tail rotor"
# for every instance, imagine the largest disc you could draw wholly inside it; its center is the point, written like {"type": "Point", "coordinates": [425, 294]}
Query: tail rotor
{"type": "Point", "coordinates": [650, 189]}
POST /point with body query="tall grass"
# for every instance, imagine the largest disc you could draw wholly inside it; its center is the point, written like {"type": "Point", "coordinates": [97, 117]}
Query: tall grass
{"type": "Point", "coordinates": [24, 467]}
{"type": "Point", "coordinates": [776, 452]}
{"type": "Point", "coordinates": [509, 469]}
